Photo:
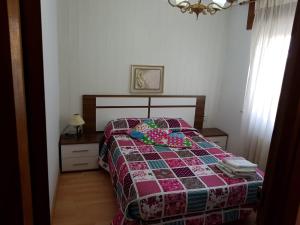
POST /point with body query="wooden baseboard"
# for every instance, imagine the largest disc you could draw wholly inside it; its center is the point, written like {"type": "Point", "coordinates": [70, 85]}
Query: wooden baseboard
{"type": "Point", "coordinates": [54, 198]}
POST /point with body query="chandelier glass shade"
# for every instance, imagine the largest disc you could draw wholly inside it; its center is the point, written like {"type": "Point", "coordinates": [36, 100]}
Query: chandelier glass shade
{"type": "Point", "coordinates": [205, 6]}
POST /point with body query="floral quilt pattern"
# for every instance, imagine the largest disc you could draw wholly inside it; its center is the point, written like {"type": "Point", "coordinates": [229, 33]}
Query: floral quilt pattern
{"type": "Point", "coordinates": [157, 182]}
{"type": "Point", "coordinates": [214, 217]}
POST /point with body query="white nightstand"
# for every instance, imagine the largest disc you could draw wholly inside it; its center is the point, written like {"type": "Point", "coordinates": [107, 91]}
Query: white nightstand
{"type": "Point", "coordinates": [216, 136]}
{"type": "Point", "coordinates": [78, 154]}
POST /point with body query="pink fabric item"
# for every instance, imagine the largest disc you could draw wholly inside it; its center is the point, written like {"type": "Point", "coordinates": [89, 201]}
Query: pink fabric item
{"type": "Point", "coordinates": [152, 208]}
{"type": "Point", "coordinates": [138, 166]}
{"type": "Point", "coordinates": [171, 185]}
{"type": "Point", "coordinates": [192, 161]}
{"type": "Point", "coordinates": [169, 155]}
{"type": "Point", "coordinates": [175, 163]}
{"type": "Point", "coordinates": [215, 151]}
{"type": "Point", "coordinates": [212, 181]}
{"type": "Point", "coordinates": [147, 187]}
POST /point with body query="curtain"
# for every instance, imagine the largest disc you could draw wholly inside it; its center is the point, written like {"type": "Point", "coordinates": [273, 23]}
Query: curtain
{"type": "Point", "coordinates": [269, 49]}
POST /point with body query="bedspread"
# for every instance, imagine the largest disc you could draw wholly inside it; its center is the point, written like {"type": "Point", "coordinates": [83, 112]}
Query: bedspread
{"type": "Point", "coordinates": [155, 182]}
{"type": "Point", "coordinates": [214, 217]}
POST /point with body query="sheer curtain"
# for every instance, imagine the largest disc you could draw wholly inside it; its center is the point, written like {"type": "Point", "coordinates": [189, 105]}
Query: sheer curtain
{"type": "Point", "coordinates": [269, 48]}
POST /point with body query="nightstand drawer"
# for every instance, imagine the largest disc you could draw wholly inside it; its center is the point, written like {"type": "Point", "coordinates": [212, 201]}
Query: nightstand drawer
{"type": "Point", "coordinates": [83, 163]}
{"type": "Point", "coordinates": [80, 150]}
{"type": "Point", "coordinates": [220, 141]}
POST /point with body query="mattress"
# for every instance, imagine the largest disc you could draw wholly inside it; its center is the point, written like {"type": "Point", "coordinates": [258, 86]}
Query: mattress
{"type": "Point", "coordinates": [157, 183]}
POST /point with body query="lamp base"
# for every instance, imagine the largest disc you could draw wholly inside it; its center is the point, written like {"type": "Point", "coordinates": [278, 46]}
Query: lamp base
{"type": "Point", "coordinates": [78, 131]}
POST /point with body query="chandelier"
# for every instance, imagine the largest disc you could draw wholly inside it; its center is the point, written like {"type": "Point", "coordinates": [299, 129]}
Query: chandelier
{"type": "Point", "coordinates": [205, 6]}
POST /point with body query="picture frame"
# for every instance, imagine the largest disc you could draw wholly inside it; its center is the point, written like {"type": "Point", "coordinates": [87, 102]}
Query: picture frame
{"type": "Point", "coordinates": [147, 79]}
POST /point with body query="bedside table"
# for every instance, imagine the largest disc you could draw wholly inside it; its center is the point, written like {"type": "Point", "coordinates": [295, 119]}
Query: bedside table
{"type": "Point", "coordinates": [77, 154]}
{"type": "Point", "coordinates": [216, 136]}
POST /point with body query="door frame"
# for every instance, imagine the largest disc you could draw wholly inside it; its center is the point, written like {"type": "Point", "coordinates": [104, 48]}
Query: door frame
{"type": "Point", "coordinates": [282, 172]}
{"type": "Point", "coordinates": [15, 204]}
{"type": "Point", "coordinates": [35, 100]}
{"type": "Point", "coordinates": [23, 83]}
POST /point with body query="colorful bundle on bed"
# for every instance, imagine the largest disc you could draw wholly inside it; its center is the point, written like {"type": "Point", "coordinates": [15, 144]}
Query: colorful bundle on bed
{"type": "Point", "coordinates": [151, 134]}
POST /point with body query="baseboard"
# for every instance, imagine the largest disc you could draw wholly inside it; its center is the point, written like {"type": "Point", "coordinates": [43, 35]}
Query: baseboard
{"type": "Point", "coordinates": [54, 198]}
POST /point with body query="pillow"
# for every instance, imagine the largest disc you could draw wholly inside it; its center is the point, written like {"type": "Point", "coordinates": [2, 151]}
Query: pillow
{"type": "Point", "coordinates": [121, 126]}
{"type": "Point", "coordinates": [173, 124]}
{"type": "Point", "coordinates": [146, 126]}
{"type": "Point", "coordinates": [125, 125]}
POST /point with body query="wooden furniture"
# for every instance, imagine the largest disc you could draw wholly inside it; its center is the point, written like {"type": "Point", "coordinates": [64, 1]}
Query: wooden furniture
{"type": "Point", "coordinates": [98, 110]}
{"type": "Point", "coordinates": [216, 136]}
{"type": "Point", "coordinates": [77, 154]}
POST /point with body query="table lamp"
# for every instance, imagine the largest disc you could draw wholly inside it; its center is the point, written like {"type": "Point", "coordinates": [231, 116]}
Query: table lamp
{"type": "Point", "coordinates": [77, 121]}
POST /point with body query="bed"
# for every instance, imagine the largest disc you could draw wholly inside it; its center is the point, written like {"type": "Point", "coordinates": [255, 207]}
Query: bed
{"type": "Point", "coordinates": [157, 184]}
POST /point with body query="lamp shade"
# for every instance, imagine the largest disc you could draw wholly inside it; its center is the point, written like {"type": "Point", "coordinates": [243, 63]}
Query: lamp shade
{"type": "Point", "coordinates": [220, 2]}
{"type": "Point", "coordinates": [181, 3]}
{"type": "Point", "coordinates": [76, 120]}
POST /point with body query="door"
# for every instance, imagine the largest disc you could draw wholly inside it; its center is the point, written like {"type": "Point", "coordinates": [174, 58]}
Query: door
{"type": "Point", "coordinates": [23, 152]}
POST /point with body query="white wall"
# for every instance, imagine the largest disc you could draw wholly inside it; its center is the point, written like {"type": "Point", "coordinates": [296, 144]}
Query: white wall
{"type": "Point", "coordinates": [236, 63]}
{"type": "Point", "coordinates": [99, 40]}
{"type": "Point", "coordinates": [51, 80]}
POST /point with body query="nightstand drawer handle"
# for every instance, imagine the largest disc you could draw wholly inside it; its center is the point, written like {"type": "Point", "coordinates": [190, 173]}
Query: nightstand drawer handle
{"type": "Point", "coordinates": [78, 151]}
{"type": "Point", "coordinates": [80, 164]}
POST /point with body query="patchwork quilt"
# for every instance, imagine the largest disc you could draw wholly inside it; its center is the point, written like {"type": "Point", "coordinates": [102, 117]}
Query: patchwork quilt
{"type": "Point", "coordinates": [157, 183]}
{"type": "Point", "coordinates": [214, 217]}
{"type": "Point", "coordinates": [125, 126]}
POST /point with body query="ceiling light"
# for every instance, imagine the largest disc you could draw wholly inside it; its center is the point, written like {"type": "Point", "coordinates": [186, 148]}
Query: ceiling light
{"type": "Point", "coordinates": [205, 6]}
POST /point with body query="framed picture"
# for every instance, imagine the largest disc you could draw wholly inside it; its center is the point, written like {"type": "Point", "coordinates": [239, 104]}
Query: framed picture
{"type": "Point", "coordinates": [147, 79]}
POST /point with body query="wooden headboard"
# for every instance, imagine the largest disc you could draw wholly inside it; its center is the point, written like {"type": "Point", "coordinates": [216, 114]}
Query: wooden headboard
{"type": "Point", "coordinates": [100, 109]}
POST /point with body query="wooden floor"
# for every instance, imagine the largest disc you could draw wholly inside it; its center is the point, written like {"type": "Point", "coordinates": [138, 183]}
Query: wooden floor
{"type": "Point", "coordinates": [84, 198]}
{"type": "Point", "coordinates": [87, 198]}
